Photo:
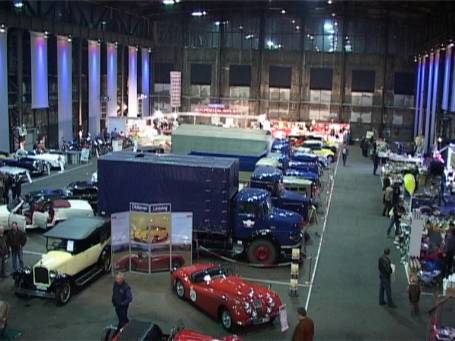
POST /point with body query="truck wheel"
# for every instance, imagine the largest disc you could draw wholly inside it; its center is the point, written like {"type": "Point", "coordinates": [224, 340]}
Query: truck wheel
{"type": "Point", "coordinates": [63, 293]}
{"type": "Point", "coordinates": [226, 319]}
{"type": "Point", "coordinates": [179, 289]}
{"type": "Point", "coordinates": [330, 159]}
{"type": "Point", "coordinates": [262, 251]}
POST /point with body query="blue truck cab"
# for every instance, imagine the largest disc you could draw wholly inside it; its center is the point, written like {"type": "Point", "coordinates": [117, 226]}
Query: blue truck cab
{"type": "Point", "coordinates": [266, 230]}
{"type": "Point", "coordinates": [271, 179]}
{"type": "Point", "coordinates": [303, 174]}
{"type": "Point", "coordinates": [306, 166]}
{"type": "Point", "coordinates": [282, 146]}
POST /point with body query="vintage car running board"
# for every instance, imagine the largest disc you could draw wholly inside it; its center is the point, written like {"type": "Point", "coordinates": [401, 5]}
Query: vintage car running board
{"type": "Point", "coordinates": [88, 276]}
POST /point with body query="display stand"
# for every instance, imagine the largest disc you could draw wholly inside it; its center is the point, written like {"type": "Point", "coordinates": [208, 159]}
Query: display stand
{"type": "Point", "coordinates": [293, 283]}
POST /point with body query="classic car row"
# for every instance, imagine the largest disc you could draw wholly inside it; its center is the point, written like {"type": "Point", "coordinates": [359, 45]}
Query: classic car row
{"type": "Point", "coordinates": [79, 250]}
{"type": "Point", "coordinates": [35, 163]}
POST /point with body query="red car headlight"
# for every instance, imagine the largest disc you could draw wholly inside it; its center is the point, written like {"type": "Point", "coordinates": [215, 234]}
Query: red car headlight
{"type": "Point", "coordinates": [247, 307]}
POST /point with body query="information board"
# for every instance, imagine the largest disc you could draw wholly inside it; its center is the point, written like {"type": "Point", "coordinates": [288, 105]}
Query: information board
{"type": "Point", "coordinates": [176, 89]}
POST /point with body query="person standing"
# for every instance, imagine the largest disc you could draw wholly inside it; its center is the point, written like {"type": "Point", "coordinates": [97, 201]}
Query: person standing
{"type": "Point", "coordinates": [344, 154]}
{"type": "Point", "coordinates": [375, 161]}
{"type": "Point", "coordinates": [385, 273]}
{"type": "Point", "coordinates": [395, 220]}
{"type": "Point", "coordinates": [3, 252]}
{"type": "Point", "coordinates": [414, 295]}
{"type": "Point", "coordinates": [121, 299]}
{"type": "Point", "coordinates": [388, 198]}
{"type": "Point", "coordinates": [16, 240]}
{"type": "Point", "coordinates": [449, 252]}
{"type": "Point", "coordinates": [304, 331]}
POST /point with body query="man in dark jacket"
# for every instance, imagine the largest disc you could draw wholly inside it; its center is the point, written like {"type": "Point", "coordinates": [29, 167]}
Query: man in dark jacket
{"type": "Point", "coordinates": [304, 331]}
{"type": "Point", "coordinates": [385, 272]}
{"type": "Point", "coordinates": [449, 252]}
{"type": "Point", "coordinates": [16, 241]}
{"type": "Point", "coordinates": [121, 298]}
{"type": "Point", "coordinates": [3, 251]}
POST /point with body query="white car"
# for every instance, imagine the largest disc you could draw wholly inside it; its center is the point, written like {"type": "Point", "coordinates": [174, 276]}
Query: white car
{"type": "Point", "coordinates": [53, 160]}
{"type": "Point", "coordinates": [18, 172]}
{"type": "Point", "coordinates": [39, 216]}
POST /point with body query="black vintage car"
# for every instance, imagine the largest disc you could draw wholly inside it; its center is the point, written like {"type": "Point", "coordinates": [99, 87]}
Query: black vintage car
{"type": "Point", "coordinates": [84, 190]}
{"type": "Point", "coordinates": [34, 167]}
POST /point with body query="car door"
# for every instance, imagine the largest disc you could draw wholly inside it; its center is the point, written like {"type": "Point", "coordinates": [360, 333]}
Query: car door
{"type": "Point", "coordinates": [40, 219]}
{"type": "Point", "coordinates": [93, 248]}
{"type": "Point", "coordinates": [246, 218]}
{"type": "Point", "coordinates": [201, 295]}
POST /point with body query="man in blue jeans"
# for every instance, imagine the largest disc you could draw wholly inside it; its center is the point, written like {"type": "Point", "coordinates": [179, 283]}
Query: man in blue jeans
{"type": "Point", "coordinates": [16, 240]}
{"type": "Point", "coordinates": [385, 272]}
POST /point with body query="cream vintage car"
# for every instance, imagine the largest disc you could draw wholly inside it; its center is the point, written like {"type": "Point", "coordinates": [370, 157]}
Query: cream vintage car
{"type": "Point", "coordinates": [78, 250]}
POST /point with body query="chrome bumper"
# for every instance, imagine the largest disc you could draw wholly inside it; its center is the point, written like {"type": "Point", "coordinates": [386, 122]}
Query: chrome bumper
{"type": "Point", "coordinates": [34, 292]}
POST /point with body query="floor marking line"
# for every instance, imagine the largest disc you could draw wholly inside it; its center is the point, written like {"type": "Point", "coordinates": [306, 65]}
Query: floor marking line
{"type": "Point", "coordinates": [322, 235]}
{"type": "Point", "coordinates": [271, 282]}
{"type": "Point", "coordinates": [56, 174]}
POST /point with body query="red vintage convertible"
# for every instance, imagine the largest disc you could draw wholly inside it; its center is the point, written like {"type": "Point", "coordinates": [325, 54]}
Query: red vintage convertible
{"type": "Point", "coordinates": [229, 299]}
{"type": "Point", "coordinates": [140, 262]}
{"type": "Point", "coordinates": [141, 330]}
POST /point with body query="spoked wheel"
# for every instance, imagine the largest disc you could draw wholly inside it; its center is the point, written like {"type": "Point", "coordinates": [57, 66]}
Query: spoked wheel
{"type": "Point", "coordinates": [105, 261]}
{"type": "Point", "coordinates": [226, 319]}
{"type": "Point", "coordinates": [63, 293]}
{"type": "Point", "coordinates": [180, 289]}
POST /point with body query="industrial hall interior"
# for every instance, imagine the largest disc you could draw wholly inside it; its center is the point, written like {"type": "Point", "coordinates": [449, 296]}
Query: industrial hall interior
{"type": "Point", "coordinates": [214, 170]}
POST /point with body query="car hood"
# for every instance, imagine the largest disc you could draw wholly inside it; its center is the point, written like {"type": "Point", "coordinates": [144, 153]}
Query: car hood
{"type": "Point", "coordinates": [53, 260]}
{"type": "Point", "coordinates": [237, 287]}
{"type": "Point", "coordinates": [190, 335]}
{"type": "Point", "coordinates": [284, 219]}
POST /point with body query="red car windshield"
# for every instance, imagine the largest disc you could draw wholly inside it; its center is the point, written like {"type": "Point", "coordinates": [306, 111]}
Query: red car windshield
{"type": "Point", "coordinates": [208, 274]}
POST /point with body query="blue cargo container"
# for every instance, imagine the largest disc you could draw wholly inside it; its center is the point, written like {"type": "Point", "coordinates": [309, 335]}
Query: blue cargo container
{"type": "Point", "coordinates": [244, 221]}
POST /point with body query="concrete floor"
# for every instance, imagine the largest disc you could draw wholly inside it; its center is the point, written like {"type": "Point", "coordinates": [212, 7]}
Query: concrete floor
{"type": "Point", "coordinates": [343, 300]}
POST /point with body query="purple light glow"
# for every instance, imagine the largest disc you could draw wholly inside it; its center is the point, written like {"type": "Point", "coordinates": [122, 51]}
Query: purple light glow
{"type": "Point", "coordinates": [38, 49]}
{"type": "Point", "coordinates": [94, 102]}
{"type": "Point", "coordinates": [146, 82]}
{"type": "Point", "coordinates": [446, 88]}
{"type": "Point", "coordinates": [422, 97]}
{"type": "Point", "coordinates": [132, 82]}
{"type": "Point", "coordinates": [417, 112]}
{"type": "Point", "coordinates": [4, 117]}
{"type": "Point", "coordinates": [434, 98]}
{"type": "Point", "coordinates": [427, 142]}
{"type": "Point", "coordinates": [65, 95]}
{"type": "Point", "coordinates": [111, 50]}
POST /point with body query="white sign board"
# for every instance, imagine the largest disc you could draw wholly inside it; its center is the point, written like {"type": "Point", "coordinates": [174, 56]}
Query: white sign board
{"type": "Point", "coordinates": [85, 154]}
{"type": "Point", "coordinates": [176, 89]}
{"type": "Point", "coordinates": [415, 239]}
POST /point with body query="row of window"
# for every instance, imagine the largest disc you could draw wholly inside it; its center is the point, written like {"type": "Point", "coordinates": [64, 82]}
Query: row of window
{"type": "Point", "coordinates": [281, 77]}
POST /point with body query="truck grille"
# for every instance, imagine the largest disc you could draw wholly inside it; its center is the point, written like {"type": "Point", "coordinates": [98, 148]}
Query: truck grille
{"type": "Point", "coordinates": [41, 275]}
